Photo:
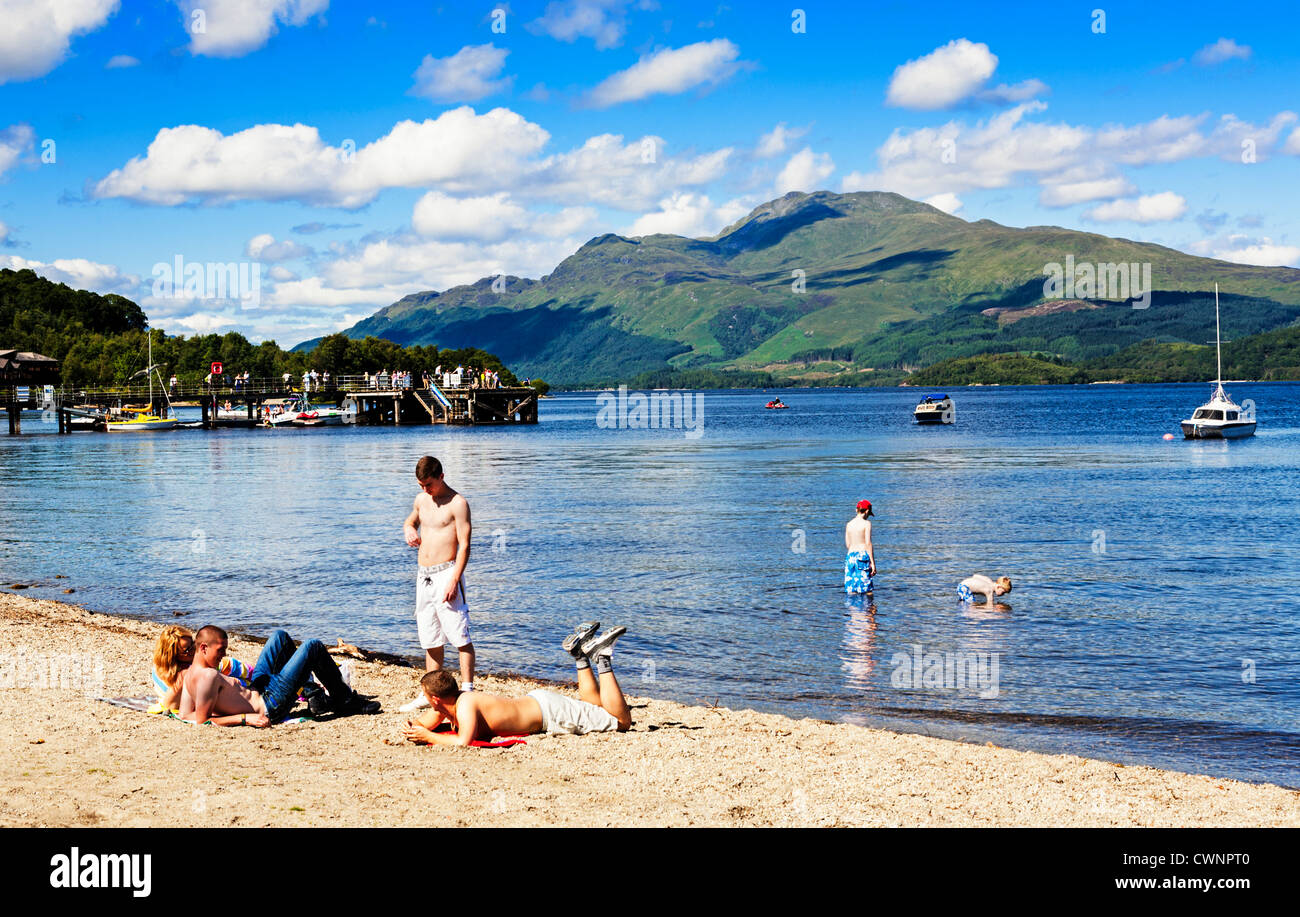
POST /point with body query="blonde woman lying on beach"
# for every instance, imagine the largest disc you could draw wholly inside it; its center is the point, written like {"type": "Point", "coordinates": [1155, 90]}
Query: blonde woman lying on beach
{"type": "Point", "coordinates": [172, 655]}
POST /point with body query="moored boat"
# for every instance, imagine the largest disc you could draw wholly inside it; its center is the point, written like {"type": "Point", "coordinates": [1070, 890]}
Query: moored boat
{"type": "Point", "coordinates": [1220, 417]}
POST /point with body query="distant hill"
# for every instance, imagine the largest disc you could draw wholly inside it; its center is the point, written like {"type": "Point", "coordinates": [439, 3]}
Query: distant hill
{"type": "Point", "coordinates": [889, 284]}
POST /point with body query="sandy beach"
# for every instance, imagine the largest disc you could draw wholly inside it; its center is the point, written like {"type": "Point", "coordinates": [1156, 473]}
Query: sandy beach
{"type": "Point", "coordinates": [69, 760]}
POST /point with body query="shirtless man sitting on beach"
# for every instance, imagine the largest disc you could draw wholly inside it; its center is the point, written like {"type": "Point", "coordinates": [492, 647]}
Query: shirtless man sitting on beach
{"type": "Point", "coordinates": [979, 584]}
{"type": "Point", "coordinates": [207, 696]}
{"type": "Point", "coordinates": [474, 715]}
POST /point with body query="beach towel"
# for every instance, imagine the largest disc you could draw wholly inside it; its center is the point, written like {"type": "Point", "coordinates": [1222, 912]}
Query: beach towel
{"type": "Point", "coordinates": [148, 704]}
{"type": "Point", "coordinates": [494, 742]}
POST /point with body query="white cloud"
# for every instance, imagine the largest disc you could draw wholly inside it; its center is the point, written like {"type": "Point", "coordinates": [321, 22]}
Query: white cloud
{"type": "Point", "coordinates": [232, 28]}
{"type": "Point", "coordinates": [608, 172]}
{"type": "Point", "coordinates": [466, 76]}
{"type": "Point", "coordinates": [943, 77]}
{"type": "Point", "coordinates": [668, 72]}
{"type": "Point", "coordinates": [1011, 147]}
{"type": "Point", "coordinates": [948, 203]}
{"type": "Point", "coordinates": [1066, 193]}
{"type": "Point", "coordinates": [79, 273]}
{"type": "Point", "coordinates": [15, 140]}
{"type": "Point", "coordinates": [1021, 92]}
{"type": "Point", "coordinates": [806, 171]}
{"type": "Point", "coordinates": [603, 21]}
{"type": "Point", "coordinates": [1224, 49]}
{"type": "Point", "coordinates": [441, 216]}
{"type": "Point", "coordinates": [36, 34]}
{"type": "Point", "coordinates": [458, 153]}
{"type": "Point", "coordinates": [265, 248]}
{"type": "Point", "coordinates": [1149, 208]}
{"type": "Point", "coordinates": [1241, 249]}
{"type": "Point", "coordinates": [777, 140]}
{"type": "Point", "coordinates": [1292, 144]}
{"type": "Point", "coordinates": [280, 162]}
{"type": "Point", "coordinates": [690, 215]}
{"type": "Point", "coordinates": [120, 61]}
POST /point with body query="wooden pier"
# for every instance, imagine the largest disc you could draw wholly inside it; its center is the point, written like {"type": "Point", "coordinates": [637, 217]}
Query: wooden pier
{"type": "Point", "coordinates": [463, 406]}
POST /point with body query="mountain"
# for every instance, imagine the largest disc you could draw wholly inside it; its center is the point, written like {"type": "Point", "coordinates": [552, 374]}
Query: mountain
{"type": "Point", "coordinates": [887, 284]}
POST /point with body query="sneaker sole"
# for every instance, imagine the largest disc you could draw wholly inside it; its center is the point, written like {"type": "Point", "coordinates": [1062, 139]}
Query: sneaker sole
{"type": "Point", "coordinates": [579, 636]}
{"type": "Point", "coordinates": [604, 641]}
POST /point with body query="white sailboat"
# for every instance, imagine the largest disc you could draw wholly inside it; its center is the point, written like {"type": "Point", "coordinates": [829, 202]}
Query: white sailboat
{"type": "Point", "coordinates": [1220, 417]}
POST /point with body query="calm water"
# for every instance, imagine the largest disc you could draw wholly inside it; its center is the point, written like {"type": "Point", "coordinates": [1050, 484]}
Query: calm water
{"type": "Point", "coordinates": [1153, 620]}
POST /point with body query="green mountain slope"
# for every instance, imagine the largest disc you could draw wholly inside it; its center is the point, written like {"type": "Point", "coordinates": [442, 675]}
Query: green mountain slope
{"type": "Point", "coordinates": [869, 279]}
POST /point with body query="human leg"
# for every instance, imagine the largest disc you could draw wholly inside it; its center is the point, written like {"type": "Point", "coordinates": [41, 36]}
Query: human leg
{"type": "Point", "coordinates": [278, 650]}
{"type": "Point", "coordinates": [587, 688]}
{"type": "Point", "coordinates": [466, 653]}
{"type": "Point", "coordinates": [613, 701]}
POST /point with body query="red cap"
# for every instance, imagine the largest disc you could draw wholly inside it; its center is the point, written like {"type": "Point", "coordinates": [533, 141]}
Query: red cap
{"type": "Point", "coordinates": [864, 505]}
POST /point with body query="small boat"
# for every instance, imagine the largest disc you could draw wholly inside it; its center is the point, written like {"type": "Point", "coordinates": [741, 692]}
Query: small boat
{"type": "Point", "coordinates": [228, 415]}
{"type": "Point", "coordinates": [141, 422]}
{"type": "Point", "coordinates": [776, 404]}
{"type": "Point", "coordinates": [295, 412]}
{"type": "Point", "coordinates": [936, 408]}
{"type": "Point", "coordinates": [1220, 417]}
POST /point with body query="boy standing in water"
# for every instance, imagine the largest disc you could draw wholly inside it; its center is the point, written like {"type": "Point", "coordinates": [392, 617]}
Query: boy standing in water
{"type": "Point", "coordinates": [860, 562]}
{"type": "Point", "coordinates": [439, 526]}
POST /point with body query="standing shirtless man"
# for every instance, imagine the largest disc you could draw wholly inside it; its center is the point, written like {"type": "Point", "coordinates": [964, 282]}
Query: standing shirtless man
{"type": "Point", "coordinates": [860, 561]}
{"type": "Point", "coordinates": [439, 527]}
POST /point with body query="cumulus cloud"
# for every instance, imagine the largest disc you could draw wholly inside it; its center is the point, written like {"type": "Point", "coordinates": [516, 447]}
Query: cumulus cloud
{"type": "Point", "coordinates": [79, 273]}
{"type": "Point", "coordinates": [492, 218]}
{"type": "Point", "coordinates": [1149, 208]}
{"type": "Point", "coordinates": [806, 171]}
{"type": "Point", "coordinates": [121, 61]}
{"type": "Point", "coordinates": [777, 140]}
{"type": "Point", "coordinates": [15, 141]}
{"type": "Point", "coordinates": [1078, 161]}
{"type": "Point", "coordinates": [1292, 144]}
{"type": "Point", "coordinates": [232, 28]}
{"type": "Point", "coordinates": [1225, 49]}
{"type": "Point", "coordinates": [1066, 190]}
{"type": "Point", "coordinates": [265, 248]}
{"type": "Point", "coordinates": [466, 76]}
{"type": "Point", "coordinates": [283, 162]}
{"type": "Point", "coordinates": [691, 215]}
{"type": "Point", "coordinates": [948, 203]}
{"type": "Point", "coordinates": [37, 33]}
{"type": "Point", "coordinates": [668, 72]}
{"type": "Point", "coordinates": [460, 152]}
{"type": "Point", "coordinates": [1242, 249]}
{"type": "Point", "coordinates": [603, 21]}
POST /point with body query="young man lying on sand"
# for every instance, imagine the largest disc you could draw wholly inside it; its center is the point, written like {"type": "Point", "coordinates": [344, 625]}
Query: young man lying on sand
{"type": "Point", "coordinates": [476, 715]}
{"type": "Point", "coordinates": [979, 584]}
{"type": "Point", "coordinates": [207, 696]}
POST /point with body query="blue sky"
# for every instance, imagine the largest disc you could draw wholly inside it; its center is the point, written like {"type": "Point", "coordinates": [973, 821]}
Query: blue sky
{"type": "Point", "coordinates": [360, 152]}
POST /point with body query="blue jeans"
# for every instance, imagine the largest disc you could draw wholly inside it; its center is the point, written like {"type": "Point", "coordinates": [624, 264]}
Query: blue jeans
{"type": "Point", "coordinates": [281, 671]}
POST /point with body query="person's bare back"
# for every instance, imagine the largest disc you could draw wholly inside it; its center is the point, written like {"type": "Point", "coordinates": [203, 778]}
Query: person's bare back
{"type": "Point", "coordinates": [206, 692]}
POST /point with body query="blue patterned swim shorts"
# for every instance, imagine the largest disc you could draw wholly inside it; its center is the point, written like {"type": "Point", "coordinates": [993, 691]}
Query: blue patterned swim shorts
{"type": "Point", "coordinates": [964, 593]}
{"type": "Point", "coordinates": [857, 573]}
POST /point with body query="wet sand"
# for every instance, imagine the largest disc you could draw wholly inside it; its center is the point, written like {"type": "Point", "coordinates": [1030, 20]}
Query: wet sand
{"type": "Point", "coordinates": [68, 760]}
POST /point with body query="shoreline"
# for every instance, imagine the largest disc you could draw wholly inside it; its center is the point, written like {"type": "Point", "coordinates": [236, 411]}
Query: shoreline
{"type": "Point", "coordinates": [70, 760]}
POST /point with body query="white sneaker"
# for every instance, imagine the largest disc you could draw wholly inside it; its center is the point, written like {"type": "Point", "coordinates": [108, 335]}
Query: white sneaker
{"type": "Point", "coordinates": [419, 703]}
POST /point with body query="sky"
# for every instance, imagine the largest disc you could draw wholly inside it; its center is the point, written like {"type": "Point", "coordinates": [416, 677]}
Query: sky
{"type": "Point", "coordinates": [347, 154]}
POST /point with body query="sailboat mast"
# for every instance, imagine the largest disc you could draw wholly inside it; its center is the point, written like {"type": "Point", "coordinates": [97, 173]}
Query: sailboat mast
{"type": "Point", "coordinates": [1218, 337]}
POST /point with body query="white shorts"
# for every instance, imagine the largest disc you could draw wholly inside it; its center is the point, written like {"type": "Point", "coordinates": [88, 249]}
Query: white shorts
{"type": "Point", "coordinates": [440, 622]}
{"type": "Point", "coordinates": [564, 715]}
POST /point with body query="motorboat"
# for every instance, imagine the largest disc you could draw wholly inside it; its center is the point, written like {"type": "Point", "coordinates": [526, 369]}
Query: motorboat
{"type": "Point", "coordinates": [1220, 417]}
{"type": "Point", "coordinates": [776, 404]}
{"type": "Point", "coordinates": [935, 408]}
{"type": "Point", "coordinates": [300, 412]}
